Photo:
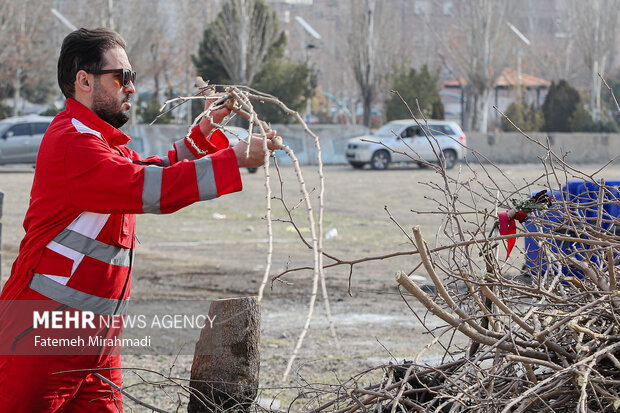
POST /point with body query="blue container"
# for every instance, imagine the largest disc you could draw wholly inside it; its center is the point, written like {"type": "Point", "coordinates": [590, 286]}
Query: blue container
{"type": "Point", "coordinates": [578, 199]}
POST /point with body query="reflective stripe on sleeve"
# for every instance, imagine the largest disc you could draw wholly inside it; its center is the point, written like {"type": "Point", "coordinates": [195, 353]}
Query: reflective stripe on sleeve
{"type": "Point", "coordinates": [77, 299]}
{"type": "Point", "coordinates": [207, 189]}
{"type": "Point", "coordinates": [93, 248]}
{"type": "Point", "coordinates": [165, 161]}
{"type": "Point", "coordinates": [183, 151]}
{"type": "Point", "coordinates": [151, 193]}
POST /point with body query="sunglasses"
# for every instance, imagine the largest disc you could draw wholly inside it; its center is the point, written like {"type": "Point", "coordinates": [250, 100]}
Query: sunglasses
{"type": "Point", "coordinates": [126, 75]}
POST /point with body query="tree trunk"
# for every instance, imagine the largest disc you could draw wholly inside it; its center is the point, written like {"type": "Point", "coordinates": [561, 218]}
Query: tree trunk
{"type": "Point", "coordinates": [224, 373]}
{"type": "Point", "coordinates": [367, 104]}
{"type": "Point", "coordinates": [467, 109]}
{"type": "Point", "coordinates": [484, 111]}
{"type": "Point", "coordinates": [245, 19]}
{"type": "Point", "coordinates": [475, 114]}
{"type": "Point", "coordinates": [17, 97]}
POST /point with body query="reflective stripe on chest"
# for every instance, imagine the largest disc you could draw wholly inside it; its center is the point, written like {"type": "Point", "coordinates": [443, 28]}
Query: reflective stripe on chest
{"type": "Point", "coordinates": [75, 242]}
{"type": "Point", "coordinates": [87, 225]}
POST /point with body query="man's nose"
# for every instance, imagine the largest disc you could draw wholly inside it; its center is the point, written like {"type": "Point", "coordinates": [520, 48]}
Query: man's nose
{"type": "Point", "coordinates": [130, 88]}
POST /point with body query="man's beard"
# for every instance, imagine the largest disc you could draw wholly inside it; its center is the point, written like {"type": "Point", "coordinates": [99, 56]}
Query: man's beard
{"type": "Point", "coordinates": [106, 107]}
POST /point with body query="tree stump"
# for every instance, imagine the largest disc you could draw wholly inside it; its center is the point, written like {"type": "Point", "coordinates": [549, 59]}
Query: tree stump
{"type": "Point", "coordinates": [227, 357]}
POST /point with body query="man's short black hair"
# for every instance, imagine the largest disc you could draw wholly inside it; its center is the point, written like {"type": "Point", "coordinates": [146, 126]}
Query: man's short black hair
{"type": "Point", "coordinates": [83, 49]}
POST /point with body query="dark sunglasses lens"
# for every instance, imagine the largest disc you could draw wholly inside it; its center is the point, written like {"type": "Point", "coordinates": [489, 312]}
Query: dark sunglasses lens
{"type": "Point", "coordinates": [128, 76]}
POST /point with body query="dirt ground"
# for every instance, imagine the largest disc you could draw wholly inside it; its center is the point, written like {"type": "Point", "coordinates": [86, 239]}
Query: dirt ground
{"type": "Point", "coordinates": [218, 249]}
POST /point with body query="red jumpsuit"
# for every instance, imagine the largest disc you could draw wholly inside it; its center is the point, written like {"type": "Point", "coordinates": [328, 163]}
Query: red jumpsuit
{"type": "Point", "coordinates": [78, 249]}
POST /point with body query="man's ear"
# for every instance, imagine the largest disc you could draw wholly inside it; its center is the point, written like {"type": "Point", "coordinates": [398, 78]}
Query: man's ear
{"type": "Point", "coordinates": [83, 81]}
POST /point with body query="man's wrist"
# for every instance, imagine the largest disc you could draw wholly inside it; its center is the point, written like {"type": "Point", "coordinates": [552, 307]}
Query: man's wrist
{"type": "Point", "coordinates": [204, 127]}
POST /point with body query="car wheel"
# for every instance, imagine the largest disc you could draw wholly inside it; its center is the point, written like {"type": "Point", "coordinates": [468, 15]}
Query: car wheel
{"type": "Point", "coordinates": [252, 170]}
{"type": "Point", "coordinates": [448, 158]}
{"type": "Point", "coordinates": [357, 165]}
{"type": "Point", "coordinates": [380, 160]}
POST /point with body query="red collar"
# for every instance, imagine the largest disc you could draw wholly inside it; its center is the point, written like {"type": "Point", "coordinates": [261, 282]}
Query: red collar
{"type": "Point", "coordinates": [112, 135]}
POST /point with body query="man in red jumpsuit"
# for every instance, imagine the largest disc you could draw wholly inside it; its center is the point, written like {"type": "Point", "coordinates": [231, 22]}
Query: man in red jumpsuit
{"type": "Point", "coordinates": [79, 244]}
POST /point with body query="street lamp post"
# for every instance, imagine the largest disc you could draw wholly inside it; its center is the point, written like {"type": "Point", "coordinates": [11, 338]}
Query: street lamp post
{"type": "Point", "coordinates": [309, 46]}
{"type": "Point", "coordinates": [527, 42]}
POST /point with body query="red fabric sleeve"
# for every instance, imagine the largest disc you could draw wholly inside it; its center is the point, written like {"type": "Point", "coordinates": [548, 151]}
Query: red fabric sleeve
{"type": "Point", "coordinates": [153, 159]}
{"type": "Point", "coordinates": [172, 156]}
{"type": "Point", "coordinates": [226, 169]}
{"type": "Point", "coordinates": [218, 141]}
{"type": "Point", "coordinates": [100, 180]}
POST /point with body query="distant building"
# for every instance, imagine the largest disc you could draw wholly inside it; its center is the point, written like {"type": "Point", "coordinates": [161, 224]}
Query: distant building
{"type": "Point", "coordinates": [506, 91]}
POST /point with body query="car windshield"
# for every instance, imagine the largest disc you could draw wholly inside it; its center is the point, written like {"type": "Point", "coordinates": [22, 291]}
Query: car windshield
{"type": "Point", "coordinates": [386, 130]}
{"type": "Point", "coordinates": [4, 126]}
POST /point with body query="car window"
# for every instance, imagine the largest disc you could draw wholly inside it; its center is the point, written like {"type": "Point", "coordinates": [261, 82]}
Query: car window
{"type": "Point", "coordinates": [386, 130]}
{"type": "Point", "coordinates": [39, 128]}
{"type": "Point", "coordinates": [443, 129]}
{"type": "Point", "coordinates": [19, 130]}
{"type": "Point", "coordinates": [410, 132]}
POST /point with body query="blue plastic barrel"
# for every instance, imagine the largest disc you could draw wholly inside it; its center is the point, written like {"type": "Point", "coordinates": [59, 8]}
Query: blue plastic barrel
{"type": "Point", "coordinates": [577, 199]}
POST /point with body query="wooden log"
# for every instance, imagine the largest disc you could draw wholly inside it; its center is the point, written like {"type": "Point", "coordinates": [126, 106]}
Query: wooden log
{"type": "Point", "coordinates": [224, 373]}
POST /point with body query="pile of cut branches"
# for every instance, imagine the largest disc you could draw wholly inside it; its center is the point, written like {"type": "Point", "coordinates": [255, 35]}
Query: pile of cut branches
{"type": "Point", "coordinates": [542, 326]}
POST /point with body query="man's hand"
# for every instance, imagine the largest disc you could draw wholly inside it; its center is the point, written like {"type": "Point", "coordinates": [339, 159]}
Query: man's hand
{"type": "Point", "coordinates": [217, 115]}
{"type": "Point", "coordinates": [257, 155]}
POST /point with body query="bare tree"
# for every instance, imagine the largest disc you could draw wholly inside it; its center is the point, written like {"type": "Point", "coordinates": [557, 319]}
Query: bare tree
{"type": "Point", "coordinates": [149, 45]}
{"type": "Point", "coordinates": [26, 47]}
{"type": "Point", "coordinates": [553, 55]}
{"type": "Point", "coordinates": [367, 37]}
{"type": "Point", "coordinates": [144, 26]}
{"type": "Point", "coordinates": [594, 23]}
{"type": "Point", "coordinates": [243, 32]}
{"type": "Point", "coordinates": [477, 48]}
{"type": "Point", "coordinates": [185, 43]}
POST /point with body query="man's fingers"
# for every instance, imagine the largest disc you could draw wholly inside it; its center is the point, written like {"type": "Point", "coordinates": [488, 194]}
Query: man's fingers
{"type": "Point", "coordinates": [274, 143]}
{"type": "Point", "coordinates": [212, 98]}
{"type": "Point", "coordinates": [273, 140]}
{"type": "Point", "coordinates": [230, 104]}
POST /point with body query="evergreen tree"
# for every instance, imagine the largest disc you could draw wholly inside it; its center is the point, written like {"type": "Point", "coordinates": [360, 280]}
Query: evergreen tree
{"type": "Point", "coordinates": [525, 116]}
{"type": "Point", "coordinates": [149, 111]}
{"type": "Point", "coordinates": [421, 85]}
{"type": "Point", "coordinates": [224, 51]}
{"type": "Point", "coordinates": [207, 66]}
{"type": "Point", "coordinates": [563, 109]}
{"type": "Point", "coordinates": [288, 81]}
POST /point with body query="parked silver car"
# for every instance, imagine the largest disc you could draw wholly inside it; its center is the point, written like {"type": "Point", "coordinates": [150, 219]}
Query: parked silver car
{"type": "Point", "coordinates": [20, 138]}
{"type": "Point", "coordinates": [404, 141]}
